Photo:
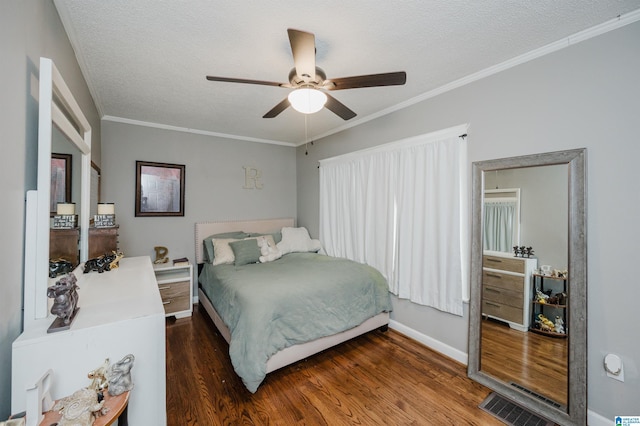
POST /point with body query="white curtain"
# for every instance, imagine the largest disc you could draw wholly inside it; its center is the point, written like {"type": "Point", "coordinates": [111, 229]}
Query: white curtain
{"type": "Point", "coordinates": [499, 218]}
{"type": "Point", "coordinates": [402, 209]}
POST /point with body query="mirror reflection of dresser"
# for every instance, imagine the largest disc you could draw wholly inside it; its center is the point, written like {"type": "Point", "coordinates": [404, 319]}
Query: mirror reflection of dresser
{"type": "Point", "coordinates": [506, 286]}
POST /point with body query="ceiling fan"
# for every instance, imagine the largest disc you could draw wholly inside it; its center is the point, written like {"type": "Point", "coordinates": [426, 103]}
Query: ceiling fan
{"type": "Point", "coordinates": [310, 82]}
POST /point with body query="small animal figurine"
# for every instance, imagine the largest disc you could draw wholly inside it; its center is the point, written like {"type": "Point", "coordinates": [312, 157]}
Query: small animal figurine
{"type": "Point", "coordinates": [65, 297]}
{"type": "Point", "coordinates": [79, 409]}
{"type": "Point", "coordinates": [541, 297]}
{"type": "Point", "coordinates": [119, 376]}
{"type": "Point", "coordinates": [59, 267]}
{"type": "Point", "coordinates": [559, 325]}
{"type": "Point", "coordinates": [544, 323]}
{"type": "Point", "coordinates": [99, 382]}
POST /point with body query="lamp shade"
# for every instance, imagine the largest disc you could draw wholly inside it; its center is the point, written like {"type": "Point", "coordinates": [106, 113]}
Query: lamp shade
{"type": "Point", "coordinates": [306, 100]}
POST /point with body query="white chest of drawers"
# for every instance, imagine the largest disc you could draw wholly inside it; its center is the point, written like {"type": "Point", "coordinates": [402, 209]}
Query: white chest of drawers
{"type": "Point", "coordinates": [120, 313]}
{"type": "Point", "coordinates": [506, 288]}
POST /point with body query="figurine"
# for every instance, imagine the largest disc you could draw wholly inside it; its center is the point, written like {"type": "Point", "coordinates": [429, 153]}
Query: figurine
{"type": "Point", "coordinates": [541, 297]}
{"type": "Point", "coordinates": [103, 263]}
{"type": "Point", "coordinates": [79, 409]}
{"type": "Point", "coordinates": [559, 325]}
{"type": "Point", "coordinates": [544, 323]}
{"type": "Point", "coordinates": [65, 297]}
{"type": "Point", "coordinates": [59, 267]}
{"type": "Point", "coordinates": [119, 376]}
{"type": "Point", "coordinates": [99, 381]}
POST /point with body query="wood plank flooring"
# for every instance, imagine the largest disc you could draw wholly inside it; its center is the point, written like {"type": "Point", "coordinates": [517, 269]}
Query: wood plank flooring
{"type": "Point", "coordinates": [534, 361]}
{"type": "Point", "coordinates": [375, 379]}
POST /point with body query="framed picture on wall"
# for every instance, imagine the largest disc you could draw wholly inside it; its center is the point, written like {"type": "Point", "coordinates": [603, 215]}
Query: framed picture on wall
{"type": "Point", "coordinates": [159, 189]}
{"type": "Point", "coordinates": [60, 181]}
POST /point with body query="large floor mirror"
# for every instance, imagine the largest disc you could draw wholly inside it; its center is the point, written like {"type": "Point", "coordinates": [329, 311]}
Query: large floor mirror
{"type": "Point", "coordinates": [527, 335]}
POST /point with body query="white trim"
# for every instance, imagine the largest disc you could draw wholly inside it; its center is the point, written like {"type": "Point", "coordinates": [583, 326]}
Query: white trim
{"type": "Point", "coordinates": [402, 143]}
{"type": "Point", "coordinates": [595, 419]}
{"type": "Point", "coordinates": [578, 37]}
{"type": "Point", "coordinates": [194, 131]}
{"type": "Point", "coordinates": [430, 342]}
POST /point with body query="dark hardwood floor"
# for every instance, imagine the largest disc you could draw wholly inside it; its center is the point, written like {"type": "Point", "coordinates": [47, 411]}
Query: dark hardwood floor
{"type": "Point", "coordinates": [375, 379]}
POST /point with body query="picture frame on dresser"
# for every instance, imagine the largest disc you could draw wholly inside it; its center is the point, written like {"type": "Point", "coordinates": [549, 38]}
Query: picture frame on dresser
{"type": "Point", "coordinates": [159, 189]}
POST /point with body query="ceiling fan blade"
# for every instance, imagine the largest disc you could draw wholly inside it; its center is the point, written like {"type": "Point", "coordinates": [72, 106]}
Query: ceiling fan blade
{"type": "Point", "coordinates": [273, 112]}
{"type": "Point", "coordinates": [372, 80]}
{"type": "Point", "coordinates": [303, 47]}
{"type": "Point", "coordinates": [242, 80]}
{"type": "Point", "coordinates": [339, 108]}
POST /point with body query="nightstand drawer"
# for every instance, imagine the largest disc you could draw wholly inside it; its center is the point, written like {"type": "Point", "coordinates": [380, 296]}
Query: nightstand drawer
{"type": "Point", "coordinates": [175, 296]}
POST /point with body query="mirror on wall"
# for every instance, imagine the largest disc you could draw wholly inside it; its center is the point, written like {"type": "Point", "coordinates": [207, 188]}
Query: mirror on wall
{"type": "Point", "coordinates": [528, 306]}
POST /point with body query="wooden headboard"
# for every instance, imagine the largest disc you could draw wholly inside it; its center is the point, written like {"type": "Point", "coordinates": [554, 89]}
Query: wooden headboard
{"type": "Point", "coordinates": [204, 229]}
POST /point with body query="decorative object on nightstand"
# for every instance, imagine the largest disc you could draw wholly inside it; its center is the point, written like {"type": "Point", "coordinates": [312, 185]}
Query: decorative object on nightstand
{"type": "Point", "coordinates": [65, 217]}
{"type": "Point", "coordinates": [65, 303]}
{"type": "Point", "coordinates": [161, 254]}
{"type": "Point", "coordinates": [183, 261]}
{"type": "Point", "coordinates": [175, 283]}
{"type": "Point", "coordinates": [106, 217]}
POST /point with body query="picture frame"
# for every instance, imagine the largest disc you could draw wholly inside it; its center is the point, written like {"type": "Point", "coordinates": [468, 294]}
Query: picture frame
{"type": "Point", "coordinates": [60, 181]}
{"type": "Point", "coordinates": [159, 189]}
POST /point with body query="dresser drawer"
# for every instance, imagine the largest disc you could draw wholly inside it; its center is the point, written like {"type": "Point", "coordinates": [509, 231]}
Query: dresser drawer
{"type": "Point", "coordinates": [505, 312]}
{"type": "Point", "coordinates": [175, 296]}
{"type": "Point", "coordinates": [505, 281]}
{"type": "Point", "coordinates": [502, 296]}
{"type": "Point", "coordinates": [503, 263]}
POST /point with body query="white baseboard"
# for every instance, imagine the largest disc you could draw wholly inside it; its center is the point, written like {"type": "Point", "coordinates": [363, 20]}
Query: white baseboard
{"type": "Point", "coordinates": [595, 419]}
{"type": "Point", "coordinates": [430, 342]}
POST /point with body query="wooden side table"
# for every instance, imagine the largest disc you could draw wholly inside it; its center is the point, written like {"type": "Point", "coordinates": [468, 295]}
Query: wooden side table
{"type": "Point", "coordinates": [118, 407]}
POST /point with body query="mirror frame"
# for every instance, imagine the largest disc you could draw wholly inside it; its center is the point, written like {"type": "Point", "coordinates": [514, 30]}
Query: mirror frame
{"type": "Point", "coordinates": [576, 413]}
{"type": "Point", "coordinates": [58, 107]}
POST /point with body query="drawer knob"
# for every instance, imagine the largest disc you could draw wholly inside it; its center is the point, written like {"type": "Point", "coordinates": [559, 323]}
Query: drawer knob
{"type": "Point", "coordinates": [164, 288]}
{"type": "Point", "coordinates": [494, 275]}
{"type": "Point", "coordinates": [167, 302]}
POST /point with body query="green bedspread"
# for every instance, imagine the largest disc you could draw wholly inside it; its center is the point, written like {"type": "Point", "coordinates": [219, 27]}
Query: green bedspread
{"type": "Point", "coordinates": [298, 298]}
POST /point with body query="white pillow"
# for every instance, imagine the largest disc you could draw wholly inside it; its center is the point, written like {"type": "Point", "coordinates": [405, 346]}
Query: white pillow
{"type": "Point", "coordinates": [222, 252]}
{"type": "Point", "coordinates": [297, 240]}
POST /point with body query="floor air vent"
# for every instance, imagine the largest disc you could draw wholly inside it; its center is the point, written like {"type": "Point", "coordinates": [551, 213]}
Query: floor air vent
{"type": "Point", "coordinates": [510, 413]}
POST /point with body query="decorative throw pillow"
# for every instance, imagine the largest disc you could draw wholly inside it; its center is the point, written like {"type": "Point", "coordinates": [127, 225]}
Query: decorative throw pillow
{"type": "Point", "coordinates": [297, 240]}
{"type": "Point", "coordinates": [245, 251]}
{"type": "Point", "coordinates": [208, 242]}
{"type": "Point", "coordinates": [222, 251]}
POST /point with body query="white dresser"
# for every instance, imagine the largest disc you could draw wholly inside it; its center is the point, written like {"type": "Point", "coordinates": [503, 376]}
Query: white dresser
{"type": "Point", "coordinates": [506, 288]}
{"type": "Point", "coordinates": [120, 313]}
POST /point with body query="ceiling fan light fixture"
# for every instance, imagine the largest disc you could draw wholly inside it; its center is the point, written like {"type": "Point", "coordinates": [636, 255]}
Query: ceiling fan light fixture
{"type": "Point", "coordinates": [307, 100]}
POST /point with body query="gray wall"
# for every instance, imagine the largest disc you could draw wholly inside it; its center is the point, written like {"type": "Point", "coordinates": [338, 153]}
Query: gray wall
{"type": "Point", "coordinates": [214, 180]}
{"type": "Point", "coordinates": [28, 30]}
{"type": "Point", "coordinates": [586, 95]}
{"type": "Point", "coordinates": [544, 223]}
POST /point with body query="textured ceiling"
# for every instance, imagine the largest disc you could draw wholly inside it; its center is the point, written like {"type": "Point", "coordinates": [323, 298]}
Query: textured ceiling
{"type": "Point", "coordinates": [146, 60]}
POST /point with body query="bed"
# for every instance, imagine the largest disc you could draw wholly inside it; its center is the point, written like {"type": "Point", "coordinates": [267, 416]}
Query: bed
{"type": "Point", "coordinates": [262, 339]}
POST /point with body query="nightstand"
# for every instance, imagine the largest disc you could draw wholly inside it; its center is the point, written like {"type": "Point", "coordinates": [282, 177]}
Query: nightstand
{"type": "Point", "coordinates": [176, 286]}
